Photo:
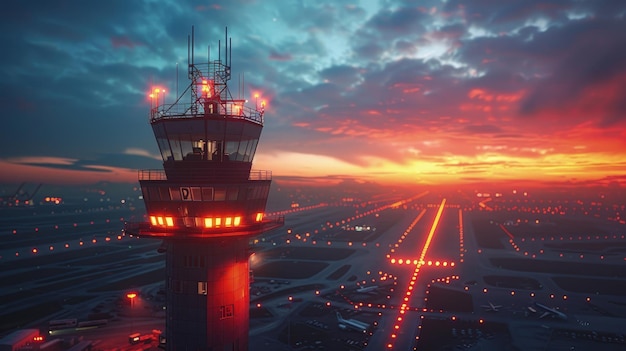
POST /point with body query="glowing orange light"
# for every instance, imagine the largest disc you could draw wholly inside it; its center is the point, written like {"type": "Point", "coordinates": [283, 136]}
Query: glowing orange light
{"type": "Point", "coordinates": [259, 217]}
{"type": "Point", "coordinates": [169, 221]}
{"type": "Point", "coordinates": [237, 221]}
{"type": "Point", "coordinates": [131, 295]}
{"type": "Point", "coordinates": [206, 87]}
{"type": "Point", "coordinates": [160, 220]}
{"type": "Point", "coordinates": [208, 222]}
{"type": "Point", "coordinates": [228, 221]}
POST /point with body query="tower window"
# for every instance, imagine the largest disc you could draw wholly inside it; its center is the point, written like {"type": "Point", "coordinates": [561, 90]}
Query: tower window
{"type": "Point", "coordinates": [202, 288]}
{"type": "Point", "coordinates": [220, 194]}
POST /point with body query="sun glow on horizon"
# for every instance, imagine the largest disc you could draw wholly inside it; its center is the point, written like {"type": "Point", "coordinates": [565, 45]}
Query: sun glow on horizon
{"type": "Point", "coordinates": [451, 169]}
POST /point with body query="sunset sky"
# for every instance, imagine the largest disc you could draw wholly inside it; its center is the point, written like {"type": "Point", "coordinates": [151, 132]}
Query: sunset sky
{"type": "Point", "coordinates": [414, 92]}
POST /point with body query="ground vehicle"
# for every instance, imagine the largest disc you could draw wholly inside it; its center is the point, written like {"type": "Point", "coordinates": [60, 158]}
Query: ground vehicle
{"type": "Point", "coordinates": [59, 324]}
{"type": "Point", "coordinates": [137, 338]}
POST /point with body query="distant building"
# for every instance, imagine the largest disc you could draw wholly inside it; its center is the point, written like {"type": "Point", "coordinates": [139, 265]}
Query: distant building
{"type": "Point", "coordinates": [19, 339]}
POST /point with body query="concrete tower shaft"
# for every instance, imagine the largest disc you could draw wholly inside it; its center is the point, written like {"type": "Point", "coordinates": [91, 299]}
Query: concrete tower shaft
{"type": "Point", "coordinates": [205, 204]}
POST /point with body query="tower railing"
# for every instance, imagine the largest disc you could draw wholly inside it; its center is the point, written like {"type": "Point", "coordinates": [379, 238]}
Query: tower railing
{"type": "Point", "coordinates": [159, 174]}
{"type": "Point", "coordinates": [228, 109]}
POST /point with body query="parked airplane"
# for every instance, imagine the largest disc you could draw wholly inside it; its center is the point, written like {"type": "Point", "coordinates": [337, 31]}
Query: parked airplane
{"type": "Point", "coordinates": [491, 307]}
{"type": "Point", "coordinates": [549, 311]}
{"type": "Point", "coordinates": [352, 323]}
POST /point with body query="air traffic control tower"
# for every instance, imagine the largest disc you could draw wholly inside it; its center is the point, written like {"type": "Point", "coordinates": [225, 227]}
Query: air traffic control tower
{"type": "Point", "coordinates": [206, 204]}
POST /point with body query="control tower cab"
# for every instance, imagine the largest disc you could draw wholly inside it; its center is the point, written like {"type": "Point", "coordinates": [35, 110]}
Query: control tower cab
{"type": "Point", "coordinates": [206, 203]}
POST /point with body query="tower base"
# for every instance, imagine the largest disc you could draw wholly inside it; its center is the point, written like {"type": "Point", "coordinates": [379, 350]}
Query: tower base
{"type": "Point", "coordinates": [208, 294]}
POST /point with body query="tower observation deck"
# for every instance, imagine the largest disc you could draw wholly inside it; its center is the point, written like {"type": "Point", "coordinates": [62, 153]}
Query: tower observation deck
{"type": "Point", "coordinates": [205, 204]}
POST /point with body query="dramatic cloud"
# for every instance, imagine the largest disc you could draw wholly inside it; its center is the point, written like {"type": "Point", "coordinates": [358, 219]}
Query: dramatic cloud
{"type": "Point", "coordinates": [387, 91]}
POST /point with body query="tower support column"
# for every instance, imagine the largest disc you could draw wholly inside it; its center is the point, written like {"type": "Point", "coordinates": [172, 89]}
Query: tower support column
{"type": "Point", "coordinates": [208, 294]}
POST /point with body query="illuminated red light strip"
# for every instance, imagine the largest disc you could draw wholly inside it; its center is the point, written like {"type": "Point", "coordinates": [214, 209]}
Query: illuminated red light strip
{"type": "Point", "coordinates": [483, 204]}
{"type": "Point", "coordinates": [414, 261]}
{"type": "Point", "coordinates": [507, 232]}
{"type": "Point", "coordinates": [297, 209]}
{"type": "Point", "coordinates": [409, 289]}
{"type": "Point", "coordinates": [209, 222]}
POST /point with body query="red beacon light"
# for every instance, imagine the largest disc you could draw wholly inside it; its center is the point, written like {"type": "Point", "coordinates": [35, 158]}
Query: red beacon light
{"type": "Point", "coordinates": [207, 88]}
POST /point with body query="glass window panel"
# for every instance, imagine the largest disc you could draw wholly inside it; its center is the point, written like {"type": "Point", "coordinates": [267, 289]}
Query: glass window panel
{"type": "Point", "coordinates": [232, 194]}
{"type": "Point", "coordinates": [199, 221]}
{"type": "Point", "coordinates": [176, 149]}
{"type": "Point", "coordinates": [154, 193]}
{"type": "Point", "coordinates": [187, 149]}
{"type": "Point", "coordinates": [231, 150]}
{"type": "Point", "coordinates": [165, 193]}
{"type": "Point", "coordinates": [251, 149]}
{"type": "Point", "coordinates": [175, 193]}
{"type": "Point", "coordinates": [207, 194]}
{"type": "Point", "coordinates": [243, 146]}
{"type": "Point", "coordinates": [219, 195]}
{"type": "Point", "coordinates": [196, 193]}
{"type": "Point", "coordinates": [164, 146]}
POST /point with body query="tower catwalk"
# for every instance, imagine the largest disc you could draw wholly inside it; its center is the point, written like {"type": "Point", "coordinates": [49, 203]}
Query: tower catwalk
{"type": "Point", "coordinates": [205, 204]}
